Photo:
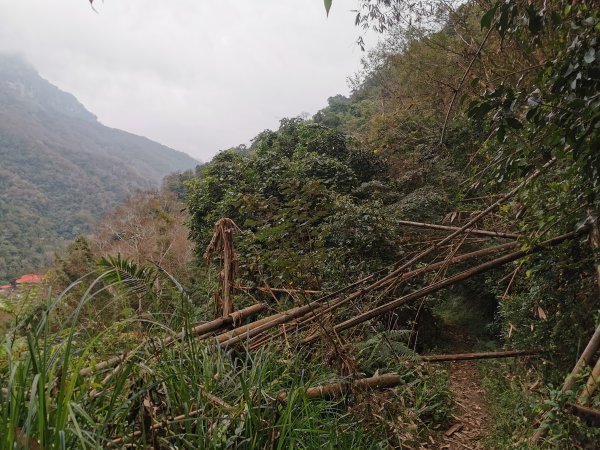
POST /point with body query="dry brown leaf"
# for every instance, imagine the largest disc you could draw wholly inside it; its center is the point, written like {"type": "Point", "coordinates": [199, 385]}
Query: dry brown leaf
{"type": "Point", "coordinates": [541, 313]}
{"type": "Point", "coordinates": [454, 429]}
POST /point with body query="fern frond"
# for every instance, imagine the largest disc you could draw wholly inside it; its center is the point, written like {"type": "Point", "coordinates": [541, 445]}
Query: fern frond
{"type": "Point", "coordinates": [385, 350]}
{"type": "Point", "coordinates": [127, 274]}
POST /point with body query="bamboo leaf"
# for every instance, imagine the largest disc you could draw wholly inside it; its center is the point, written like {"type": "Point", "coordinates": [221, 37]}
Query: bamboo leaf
{"type": "Point", "coordinates": [486, 19]}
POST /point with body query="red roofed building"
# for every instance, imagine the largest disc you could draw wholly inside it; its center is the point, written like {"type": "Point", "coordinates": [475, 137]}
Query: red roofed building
{"type": "Point", "coordinates": [30, 278]}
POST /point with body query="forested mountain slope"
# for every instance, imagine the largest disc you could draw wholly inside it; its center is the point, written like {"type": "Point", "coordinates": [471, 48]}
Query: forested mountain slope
{"type": "Point", "coordinates": [61, 169]}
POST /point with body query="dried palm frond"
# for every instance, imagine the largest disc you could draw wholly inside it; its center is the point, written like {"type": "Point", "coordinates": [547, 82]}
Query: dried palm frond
{"type": "Point", "coordinates": [222, 243]}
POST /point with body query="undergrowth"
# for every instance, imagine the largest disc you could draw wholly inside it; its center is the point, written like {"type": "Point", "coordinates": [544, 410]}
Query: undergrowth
{"type": "Point", "coordinates": [517, 402]}
{"type": "Point", "coordinates": [511, 413]}
{"type": "Point", "coordinates": [190, 394]}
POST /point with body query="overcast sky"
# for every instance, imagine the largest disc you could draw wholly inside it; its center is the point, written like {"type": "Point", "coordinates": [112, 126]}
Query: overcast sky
{"type": "Point", "coordinates": [196, 75]}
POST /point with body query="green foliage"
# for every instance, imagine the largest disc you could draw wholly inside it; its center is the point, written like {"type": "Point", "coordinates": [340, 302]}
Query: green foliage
{"type": "Point", "coordinates": [509, 405]}
{"type": "Point", "coordinates": [76, 262]}
{"type": "Point", "coordinates": [516, 405]}
{"type": "Point", "coordinates": [387, 351]}
{"type": "Point", "coordinates": [47, 402]}
{"type": "Point", "coordinates": [61, 170]}
{"type": "Point", "coordinates": [563, 429]}
{"type": "Point", "coordinates": [468, 310]}
{"type": "Point", "coordinates": [295, 197]}
{"type": "Point", "coordinates": [552, 115]}
{"type": "Point", "coordinates": [551, 305]}
{"type": "Point", "coordinates": [127, 274]}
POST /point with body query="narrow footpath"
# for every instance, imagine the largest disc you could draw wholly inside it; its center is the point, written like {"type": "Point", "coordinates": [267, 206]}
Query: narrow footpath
{"type": "Point", "coordinates": [470, 418]}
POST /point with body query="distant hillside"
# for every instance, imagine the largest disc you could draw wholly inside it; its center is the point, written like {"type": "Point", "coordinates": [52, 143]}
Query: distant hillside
{"type": "Point", "coordinates": [60, 169]}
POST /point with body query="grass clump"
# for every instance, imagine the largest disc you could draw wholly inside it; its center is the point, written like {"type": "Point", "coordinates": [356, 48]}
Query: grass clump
{"type": "Point", "coordinates": [190, 394]}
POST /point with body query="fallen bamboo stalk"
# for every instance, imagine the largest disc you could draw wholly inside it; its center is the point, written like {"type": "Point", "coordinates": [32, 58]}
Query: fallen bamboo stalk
{"type": "Point", "coordinates": [245, 328]}
{"type": "Point", "coordinates": [336, 303]}
{"type": "Point", "coordinates": [497, 234]}
{"type": "Point", "coordinates": [325, 299]}
{"type": "Point", "coordinates": [473, 221]}
{"type": "Point", "coordinates": [428, 268]}
{"type": "Point", "coordinates": [481, 355]}
{"type": "Point", "coordinates": [390, 306]}
{"type": "Point", "coordinates": [202, 329]}
{"type": "Point", "coordinates": [594, 379]}
{"type": "Point", "coordinates": [584, 360]}
{"type": "Point", "coordinates": [262, 289]}
{"type": "Point", "coordinates": [277, 319]}
{"type": "Point", "coordinates": [291, 314]}
{"type": "Point", "coordinates": [433, 247]}
{"type": "Point", "coordinates": [335, 390]}
{"type": "Point", "coordinates": [584, 411]}
{"type": "Point", "coordinates": [154, 427]}
{"type": "Point", "coordinates": [459, 258]}
{"type": "Point", "coordinates": [591, 385]}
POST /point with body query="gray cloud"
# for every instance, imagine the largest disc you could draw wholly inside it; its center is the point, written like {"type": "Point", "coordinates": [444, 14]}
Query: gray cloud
{"type": "Point", "coordinates": [197, 75]}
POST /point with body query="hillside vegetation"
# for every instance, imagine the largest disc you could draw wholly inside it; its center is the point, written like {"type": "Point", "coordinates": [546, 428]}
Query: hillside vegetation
{"type": "Point", "coordinates": [61, 170]}
{"type": "Point", "coordinates": [445, 211]}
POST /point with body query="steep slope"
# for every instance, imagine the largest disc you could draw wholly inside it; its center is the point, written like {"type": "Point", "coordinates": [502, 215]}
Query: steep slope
{"type": "Point", "coordinates": [60, 169]}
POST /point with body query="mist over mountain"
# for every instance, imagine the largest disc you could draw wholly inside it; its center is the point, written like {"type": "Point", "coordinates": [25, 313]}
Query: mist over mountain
{"type": "Point", "coordinates": [61, 169]}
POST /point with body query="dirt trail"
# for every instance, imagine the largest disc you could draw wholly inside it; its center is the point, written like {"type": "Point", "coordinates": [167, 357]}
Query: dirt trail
{"type": "Point", "coordinates": [470, 418]}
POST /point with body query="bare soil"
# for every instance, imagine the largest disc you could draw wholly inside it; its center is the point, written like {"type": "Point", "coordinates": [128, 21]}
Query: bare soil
{"type": "Point", "coordinates": [470, 418]}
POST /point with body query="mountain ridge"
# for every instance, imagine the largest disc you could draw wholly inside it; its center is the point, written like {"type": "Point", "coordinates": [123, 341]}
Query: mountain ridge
{"type": "Point", "coordinates": [61, 169]}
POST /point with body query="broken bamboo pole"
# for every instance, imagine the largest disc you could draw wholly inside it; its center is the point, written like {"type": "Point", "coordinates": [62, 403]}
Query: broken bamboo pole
{"type": "Point", "coordinates": [594, 378]}
{"type": "Point", "coordinates": [222, 243]}
{"type": "Point", "coordinates": [284, 290]}
{"type": "Point", "coordinates": [584, 360]}
{"type": "Point", "coordinates": [475, 231]}
{"type": "Point", "coordinates": [481, 355]}
{"type": "Point", "coordinates": [291, 314]}
{"type": "Point", "coordinates": [390, 306]}
{"type": "Point", "coordinates": [336, 303]}
{"type": "Point", "coordinates": [594, 342]}
{"type": "Point", "coordinates": [277, 319]}
{"type": "Point", "coordinates": [428, 268]}
{"type": "Point", "coordinates": [245, 328]}
{"type": "Point", "coordinates": [216, 401]}
{"type": "Point", "coordinates": [334, 390]}
{"type": "Point", "coordinates": [591, 385]}
{"type": "Point", "coordinates": [202, 329]}
{"type": "Point", "coordinates": [394, 274]}
{"type": "Point", "coordinates": [584, 411]}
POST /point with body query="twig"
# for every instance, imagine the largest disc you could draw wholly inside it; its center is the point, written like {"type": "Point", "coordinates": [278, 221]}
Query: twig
{"type": "Point", "coordinates": [459, 87]}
